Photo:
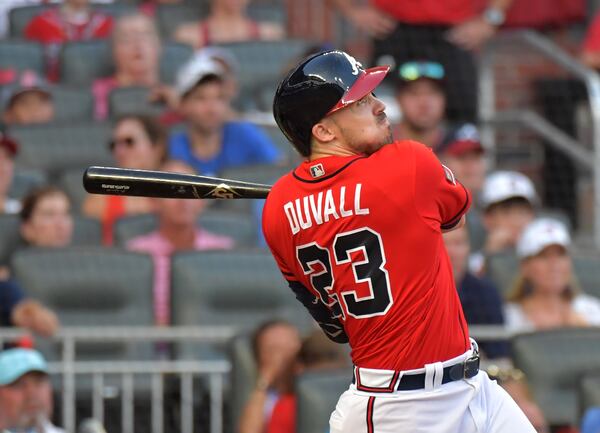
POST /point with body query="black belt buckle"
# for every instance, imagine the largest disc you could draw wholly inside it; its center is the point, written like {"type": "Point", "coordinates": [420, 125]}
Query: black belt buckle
{"type": "Point", "coordinates": [471, 367]}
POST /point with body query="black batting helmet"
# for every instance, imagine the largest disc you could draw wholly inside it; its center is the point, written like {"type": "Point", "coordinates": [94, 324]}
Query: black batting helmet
{"type": "Point", "coordinates": [318, 86]}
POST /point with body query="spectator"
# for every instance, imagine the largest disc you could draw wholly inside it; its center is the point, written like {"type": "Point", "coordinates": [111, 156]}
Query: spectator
{"type": "Point", "coordinates": [271, 406]}
{"type": "Point", "coordinates": [5, 7]}
{"type": "Point", "coordinates": [545, 295]}
{"type": "Point", "coordinates": [26, 100]}
{"type": "Point", "coordinates": [46, 219]}
{"type": "Point", "coordinates": [447, 31]}
{"type": "Point", "coordinates": [590, 50]}
{"type": "Point", "coordinates": [591, 421]}
{"type": "Point", "coordinates": [136, 50]}
{"type": "Point", "coordinates": [148, 7]}
{"type": "Point", "coordinates": [26, 391]}
{"type": "Point", "coordinates": [73, 20]}
{"type": "Point", "coordinates": [8, 150]}
{"type": "Point", "coordinates": [138, 142]}
{"type": "Point", "coordinates": [420, 94]}
{"type": "Point", "coordinates": [178, 230]}
{"type": "Point", "coordinates": [481, 302]}
{"type": "Point", "coordinates": [508, 200]}
{"type": "Point", "coordinates": [210, 143]}
{"type": "Point", "coordinates": [227, 22]}
{"type": "Point", "coordinates": [18, 310]}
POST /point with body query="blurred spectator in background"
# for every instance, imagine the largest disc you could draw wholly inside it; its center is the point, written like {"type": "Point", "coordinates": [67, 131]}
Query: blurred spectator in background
{"type": "Point", "coordinates": [138, 142]}
{"type": "Point", "coordinates": [481, 302]}
{"type": "Point", "coordinates": [46, 219]}
{"type": "Point", "coordinates": [545, 294]}
{"type": "Point", "coordinates": [136, 49]}
{"type": "Point", "coordinates": [8, 151]}
{"type": "Point", "coordinates": [591, 421]}
{"type": "Point", "coordinates": [590, 50]}
{"type": "Point", "coordinates": [148, 7]}
{"type": "Point", "coordinates": [446, 31]}
{"type": "Point", "coordinates": [178, 230]}
{"type": "Point", "coordinates": [227, 22]}
{"type": "Point", "coordinates": [26, 99]}
{"type": "Point", "coordinates": [5, 7]}
{"type": "Point", "coordinates": [26, 392]}
{"type": "Point", "coordinates": [18, 310]}
{"type": "Point", "coordinates": [211, 143]}
{"type": "Point", "coordinates": [508, 201]}
{"type": "Point", "coordinates": [421, 97]}
{"type": "Point", "coordinates": [73, 20]}
{"type": "Point", "coordinates": [271, 406]}
{"type": "Point", "coordinates": [319, 353]}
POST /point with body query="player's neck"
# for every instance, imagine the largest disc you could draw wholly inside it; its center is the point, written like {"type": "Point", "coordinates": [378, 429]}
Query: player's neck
{"type": "Point", "coordinates": [323, 150]}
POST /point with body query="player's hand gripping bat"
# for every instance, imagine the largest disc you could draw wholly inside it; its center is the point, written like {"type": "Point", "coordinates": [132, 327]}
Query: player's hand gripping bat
{"type": "Point", "coordinates": [146, 183]}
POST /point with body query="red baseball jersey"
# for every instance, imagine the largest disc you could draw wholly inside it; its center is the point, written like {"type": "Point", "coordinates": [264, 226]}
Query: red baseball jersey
{"type": "Point", "coordinates": [359, 240]}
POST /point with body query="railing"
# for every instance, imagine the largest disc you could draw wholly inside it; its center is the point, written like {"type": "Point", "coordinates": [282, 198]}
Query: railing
{"type": "Point", "coordinates": [490, 118]}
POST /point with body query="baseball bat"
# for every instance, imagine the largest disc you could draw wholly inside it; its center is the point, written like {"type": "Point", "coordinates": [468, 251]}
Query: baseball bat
{"type": "Point", "coordinates": [162, 184]}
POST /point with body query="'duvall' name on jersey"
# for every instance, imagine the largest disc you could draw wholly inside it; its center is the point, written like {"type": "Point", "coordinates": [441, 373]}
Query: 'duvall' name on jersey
{"type": "Point", "coordinates": [320, 208]}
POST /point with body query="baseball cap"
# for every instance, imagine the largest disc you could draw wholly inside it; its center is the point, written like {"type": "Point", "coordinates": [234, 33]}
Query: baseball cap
{"type": "Point", "coordinates": [503, 185]}
{"type": "Point", "coordinates": [417, 69]}
{"type": "Point", "coordinates": [9, 144]}
{"type": "Point", "coordinates": [542, 233]}
{"type": "Point", "coordinates": [195, 69]}
{"type": "Point", "coordinates": [14, 363]}
{"type": "Point", "coordinates": [460, 140]}
{"type": "Point", "coordinates": [21, 83]}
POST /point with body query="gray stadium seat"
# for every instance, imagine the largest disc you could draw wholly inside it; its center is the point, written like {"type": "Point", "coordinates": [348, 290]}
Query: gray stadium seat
{"type": "Point", "coordinates": [70, 181]}
{"type": "Point", "coordinates": [239, 227]}
{"type": "Point", "coordinates": [88, 286]}
{"type": "Point", "coordinates": [553, 362]}
{"type": "Point", "coordinates": [20, 17]}
{"type": "Point", "coordinates": [317, 394]}
{"type": "Point", "coordinates": [589, 392]}
{"type": "Point", "coordinates": [72, 103]}
{"type": "Point", "coordinates": [243, 374]}
{"type": "Point", "coordinates": [502, 269]}
{"type": "Point", "coordinates": [261, 173]}
{"type": "Point", "coordinates": [26, 180]}
{"type": "Point", "coordinates": [57, 147]}
{"type": "Point", "coordinates": [22, 55]}
{"type": "Point", "coordinates": [169, 17]}
{"type": "Point", "coordinates": [127, 100]}
{"type": "Point", "coordinates": [173, 56]}
{"type": "Point", "coordinates": [268, 12]}
{"type": "Point", "coordinates": [86, 231]}
{"type": "Point", "coordinates": [9, 237]}
{"type": "Point", "coordinates": [587, 270]}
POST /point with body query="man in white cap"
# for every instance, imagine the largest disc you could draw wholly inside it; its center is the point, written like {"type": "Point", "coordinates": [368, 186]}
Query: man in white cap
{"type": "Point", "coordinates": [25, 392]}
{"type": "Point", "coordinates": [508, 200]}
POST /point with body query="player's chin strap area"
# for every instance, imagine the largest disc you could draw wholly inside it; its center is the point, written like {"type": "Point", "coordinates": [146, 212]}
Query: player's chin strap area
{"type": "Point", "coordinates": [430, 377]}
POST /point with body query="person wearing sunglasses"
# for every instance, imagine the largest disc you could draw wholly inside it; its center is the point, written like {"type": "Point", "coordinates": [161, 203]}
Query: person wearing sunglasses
{"type": "Point", "coordinates": [421, 96]}
{"type": "Point", "coordinates": [138, 142]}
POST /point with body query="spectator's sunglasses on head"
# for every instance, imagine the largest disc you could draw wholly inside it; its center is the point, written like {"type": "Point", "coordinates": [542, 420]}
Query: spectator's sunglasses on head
{"type": "Point", "coordinates": [412, 71]}
{"type": "Point", "coordinates": [129, 142]}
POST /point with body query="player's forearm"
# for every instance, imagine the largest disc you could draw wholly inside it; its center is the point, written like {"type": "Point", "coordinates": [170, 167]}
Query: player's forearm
{"type": "Point", "coordinates": [253, 415]}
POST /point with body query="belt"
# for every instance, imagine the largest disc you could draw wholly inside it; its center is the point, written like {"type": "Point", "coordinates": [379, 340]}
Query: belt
{"type": "Point", "coordinates": [410, 382]}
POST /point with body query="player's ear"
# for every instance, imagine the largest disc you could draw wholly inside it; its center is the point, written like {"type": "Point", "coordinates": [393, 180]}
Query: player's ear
{"type": "Point", "coordinates": [323, 131]}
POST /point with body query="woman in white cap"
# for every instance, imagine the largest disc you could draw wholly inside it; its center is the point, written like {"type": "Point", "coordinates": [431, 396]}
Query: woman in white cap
{"type": "Point", "coordinates": [546, 294]}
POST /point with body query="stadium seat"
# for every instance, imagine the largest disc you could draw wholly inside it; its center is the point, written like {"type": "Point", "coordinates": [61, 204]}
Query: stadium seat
{"type": "Point", "coordinates": [554, 362]}
{"type": "Point", "coordinates": [317, 394]}
{"type": "Point", "coordinates": [587, 270]}
{"type": "Point", "coordinates": [173, 56]}
{"type": "Point", "coordinates": [239, 227]}
{"type": "Point", "coordinates": [502, 269]}
{"type": "Point", "coordinates": [243, 374]}
{"type": "Point", "coordinates": [86, 231]}
{"type": "Point", "coordinates": [72, 104]}
{"type": "Point", "coordinates": [70, 181]}
{"type": "Point", "coordinates": [274, 12]}
{"type": "Point", "coordinates": [57, 147]}
{"type": "Point", "coordinates": [127, 100]}
{"type": "Point", "coordinates": [20, 17]}
{"type": "Point", "coordinates": [21, 55]}
{"type": "Point", "coordinates": [90, 286]}
{"type": "Point", "coordinates": [589, 392]}
{"type": "Point", "coordinates": [24, 181]}
{"type": "Point", "coordinates": [261, 173]}
{"type": "Point", "coordinates": [9, 237]}
{"type": "Point", "coordinates": [169, 17]}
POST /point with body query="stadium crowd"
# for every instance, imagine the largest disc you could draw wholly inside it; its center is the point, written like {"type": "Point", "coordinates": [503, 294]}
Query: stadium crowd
{"type": "Point", "coordinates": [170, 85]}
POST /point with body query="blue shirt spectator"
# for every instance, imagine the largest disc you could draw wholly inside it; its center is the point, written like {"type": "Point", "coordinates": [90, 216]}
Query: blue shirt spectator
{"type": "Point", "coordinates": [591, 421]}
{"type": "Point", "coordinates": [10, 295]}
{"type": "Point", "coordinates": [242, 144]}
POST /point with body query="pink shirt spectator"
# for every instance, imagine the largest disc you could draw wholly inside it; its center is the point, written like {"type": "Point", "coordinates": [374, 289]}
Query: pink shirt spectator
{"type": "Point", "coordinates": [161, 250]}
{"type": "Point", "coordinates": [101, 89]}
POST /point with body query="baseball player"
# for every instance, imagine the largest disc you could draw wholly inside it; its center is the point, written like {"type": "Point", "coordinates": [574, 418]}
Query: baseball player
{"type": "Point", "coordinates": [356, 230]}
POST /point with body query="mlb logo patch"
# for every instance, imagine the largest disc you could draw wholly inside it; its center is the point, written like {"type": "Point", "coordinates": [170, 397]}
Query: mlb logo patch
{"type": "Point", "coordinates": [317, 170]}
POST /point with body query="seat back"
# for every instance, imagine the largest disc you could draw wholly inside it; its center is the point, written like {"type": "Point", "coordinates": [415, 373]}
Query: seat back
{"type": "Point", "coordinates": [127, 100]}
{"type": "Point", "coordinates": [169, 17]}
{"type": "Point", "coordinates": [22, 55]}
{"type": "Point", "coordinates": [9, 237]}
{"type": "Point", "coordinates": [502, 269]}
{"type": "Point", "coordinates": [72, 104]}
{"type": "Point", "coordinates": [589, 392]}
{"type": "Point", "coordinates": [26, 180]}
{"type": "Point", "coordinates": [554, 362]}
{"type": "Point", "coordinates": [243, 374]}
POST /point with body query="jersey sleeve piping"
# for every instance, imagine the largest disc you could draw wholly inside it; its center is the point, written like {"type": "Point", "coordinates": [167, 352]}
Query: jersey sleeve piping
{"type": "Point", "coordinates": [456, 219]}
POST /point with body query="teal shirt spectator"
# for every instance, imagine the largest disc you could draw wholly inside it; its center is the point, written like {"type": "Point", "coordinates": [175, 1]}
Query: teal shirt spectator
{"type": "Point", "coordinates": [243, 144]}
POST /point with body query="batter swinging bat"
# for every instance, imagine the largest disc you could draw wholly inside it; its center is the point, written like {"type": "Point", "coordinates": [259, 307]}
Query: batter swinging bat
{"type": "Point", "coordinates": [147, 183]}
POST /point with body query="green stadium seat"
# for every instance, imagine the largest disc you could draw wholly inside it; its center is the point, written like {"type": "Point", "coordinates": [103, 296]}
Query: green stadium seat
{"type": "Point", "coordinates": [589, 392]}
{"type": "Point", "coordinates": [236, 226]}
{"type": "Point", "coordinates": [90, 286]}
{"type": "Point", "coordinates": [25, 180]}
{"type": "Point", "coordinates": [72, 104]}
{"type": "Point", "coordinates": [317, 394]}
{"type": "Point", "coordinates": [20, 17]}
{"type": "Point", "coordinates": [554, 362]}
{"type": "Point", "coordinates": [22, 55]}
{"type": "Point", "coordinates": [56, 147]}
{"type": "Point", "coordinates": [169, 17]}
{"type": "Point", "coordinates": [127, 100]}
